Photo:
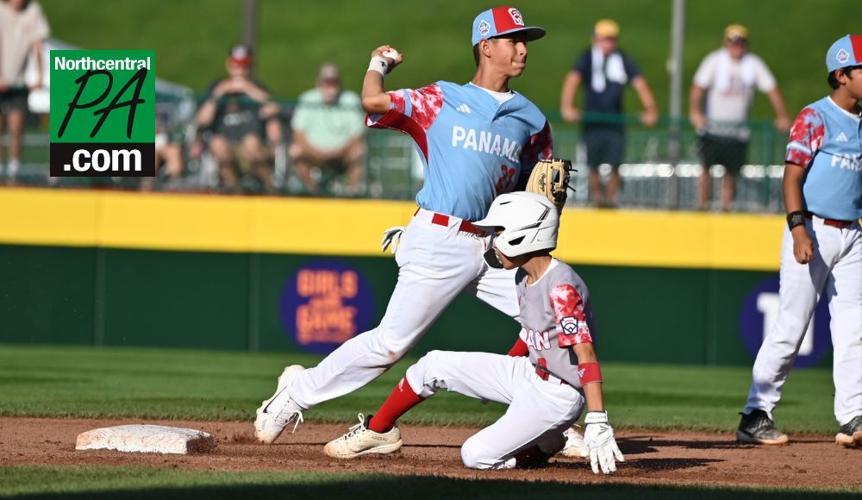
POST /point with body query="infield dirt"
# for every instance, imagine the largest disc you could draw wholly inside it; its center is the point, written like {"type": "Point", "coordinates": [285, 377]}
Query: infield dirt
{"type": "Point", "coordinates": [662, 458]}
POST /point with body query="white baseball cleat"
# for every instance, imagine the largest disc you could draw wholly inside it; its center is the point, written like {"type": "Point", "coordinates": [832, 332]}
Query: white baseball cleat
{"type": "Point", "coordinates": [575, 445]}
{"type": "Point", "coordinates": [360, 440]}
{"type": "Point", "coordinates": [276, 412]}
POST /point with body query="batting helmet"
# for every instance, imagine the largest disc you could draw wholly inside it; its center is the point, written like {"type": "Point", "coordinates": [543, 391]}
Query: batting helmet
{"type": "Point", "coordinates": [529, 223]}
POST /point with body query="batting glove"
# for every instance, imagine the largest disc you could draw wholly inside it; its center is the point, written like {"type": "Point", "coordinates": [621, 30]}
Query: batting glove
{"type": "Point", "coordinates": [599, 436]}
{"type": "Point", "coordinates": [391, 237]}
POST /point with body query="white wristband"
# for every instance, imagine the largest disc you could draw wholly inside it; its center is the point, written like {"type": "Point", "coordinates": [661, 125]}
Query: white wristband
{"type": "Point", "coordinates": [379, 64]}
{"type": "Point", "coordinates": [596, 417]}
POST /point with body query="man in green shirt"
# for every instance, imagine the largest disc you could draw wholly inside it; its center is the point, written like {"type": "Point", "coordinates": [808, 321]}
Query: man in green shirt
{"type": "Point", "coordinates": [328, 134]}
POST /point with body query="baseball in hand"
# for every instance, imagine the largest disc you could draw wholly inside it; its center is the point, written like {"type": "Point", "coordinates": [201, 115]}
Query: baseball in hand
{"type": "Point", "coordinates": [391, 54]}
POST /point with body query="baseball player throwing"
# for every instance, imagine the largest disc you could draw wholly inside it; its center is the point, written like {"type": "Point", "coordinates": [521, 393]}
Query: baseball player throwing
{"type": "Point", "coordinates": [476, 141]}
{"type": "Point", "coordinates": [821, 252]}
{"type": "Point", "coordinates": [544, 380]}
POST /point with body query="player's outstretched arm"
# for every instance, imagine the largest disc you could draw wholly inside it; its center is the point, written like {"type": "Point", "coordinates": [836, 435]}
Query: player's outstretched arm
{"type": "Point", "coordinates": [374, 97]}
{"type": "Point", "coordinates": [598, 434]}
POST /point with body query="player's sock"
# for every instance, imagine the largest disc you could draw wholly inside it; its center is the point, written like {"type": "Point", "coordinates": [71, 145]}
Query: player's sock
{"type": "Point", "coordinates": [398, 403]}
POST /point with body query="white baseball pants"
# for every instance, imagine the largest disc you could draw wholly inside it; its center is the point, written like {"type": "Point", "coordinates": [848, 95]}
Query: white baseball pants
{"type": "Point", "coordinates": [435, 264]}
{"type": "Point", "coordinates": [539, 410]}
{"type": "Point", "coordinates": [835, 270]}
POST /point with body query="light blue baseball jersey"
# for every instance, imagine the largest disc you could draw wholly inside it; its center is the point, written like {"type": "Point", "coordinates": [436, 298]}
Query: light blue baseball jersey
{"type": "Point", "coordinates": [472, 146]}
{"type": "Point", "coordinates": [827, 140]}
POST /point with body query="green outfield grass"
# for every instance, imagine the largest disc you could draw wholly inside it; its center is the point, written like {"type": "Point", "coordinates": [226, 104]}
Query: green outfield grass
{"type": "Point", "coordinates": [152, 483]}
{"type": "Point", "coordinates": [186, 384]}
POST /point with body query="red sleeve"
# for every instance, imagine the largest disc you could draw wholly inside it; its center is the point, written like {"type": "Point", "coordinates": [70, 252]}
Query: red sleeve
{"type": "Point", "coordinates": [570, 316]}
{"type": "Point", "coordinates": [540, 147]}
{"type": "Point", "coordinates": [412, 112]}
{"type": "Point", "coordinates": [806, 137]}
{"type": "Point", "coordinates": [519, 348]}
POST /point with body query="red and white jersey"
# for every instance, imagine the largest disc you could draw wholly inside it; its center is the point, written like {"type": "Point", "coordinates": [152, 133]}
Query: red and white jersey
{"type": "Point", "coordinates": [555, 315]}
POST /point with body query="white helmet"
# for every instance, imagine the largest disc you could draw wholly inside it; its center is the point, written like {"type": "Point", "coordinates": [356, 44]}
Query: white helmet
{"type": "Point", "coordinates": [529, 221]}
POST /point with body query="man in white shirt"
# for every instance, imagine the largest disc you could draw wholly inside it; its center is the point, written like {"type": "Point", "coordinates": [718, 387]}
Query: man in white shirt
{"type": "Point", "coordinates": [729, 77]}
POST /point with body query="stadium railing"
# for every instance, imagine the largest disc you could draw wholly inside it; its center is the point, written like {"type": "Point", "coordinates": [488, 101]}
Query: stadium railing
{"type": "Point", "coordinates": [653, 176]}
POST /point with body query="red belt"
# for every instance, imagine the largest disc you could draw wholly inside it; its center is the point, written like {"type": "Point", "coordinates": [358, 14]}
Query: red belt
{"type": "Point", "coordinates": [840, 224]}
{"type": "Point", "coordinates": [544, 374]}
{"type": "Point", "coordinates": [465, 226]}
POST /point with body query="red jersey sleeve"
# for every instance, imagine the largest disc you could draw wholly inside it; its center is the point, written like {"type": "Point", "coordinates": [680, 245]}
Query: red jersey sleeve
{"type": "Point", "coordinates": [412, 112]}
{"type": "Point", "coordinates": [806, 137]}
{"type": "Point", "coordinates": [570, 316]}
{"type": "Point", "coordinates": [540, 147]}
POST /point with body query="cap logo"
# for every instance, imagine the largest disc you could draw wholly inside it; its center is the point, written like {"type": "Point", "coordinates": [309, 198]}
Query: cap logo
{"type": "Point", "coordinates": [842, 56]}
{"type": "Point", "coordinates": [516, 16]}
{"type": "Point", "coordinates": [484, 28]}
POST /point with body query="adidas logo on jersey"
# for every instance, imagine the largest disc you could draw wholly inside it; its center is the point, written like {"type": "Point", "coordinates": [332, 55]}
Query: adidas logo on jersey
{"type": "Point", "coordinates": [464, 109]}
{"type": "Point", "coordinates": [841, 137]}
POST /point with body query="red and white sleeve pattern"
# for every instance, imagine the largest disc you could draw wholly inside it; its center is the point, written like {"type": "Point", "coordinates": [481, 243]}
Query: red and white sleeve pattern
{"type": "Point", "coordinates": [540, 147]}
{"type": "Point", "coordinates": [806, 137]}
{"type": "Point", "coordinates": [412, 112]}
{"type": "Point", "coordinates": [570, 316]}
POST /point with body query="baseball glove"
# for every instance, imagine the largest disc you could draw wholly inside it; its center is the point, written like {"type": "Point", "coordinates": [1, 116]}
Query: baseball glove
{"type": "Point", "coordinates": [551, 179]}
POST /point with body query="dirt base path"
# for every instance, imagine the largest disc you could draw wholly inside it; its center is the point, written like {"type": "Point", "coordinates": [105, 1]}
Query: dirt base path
{"type": "Point", "coordinates": [663, 458]}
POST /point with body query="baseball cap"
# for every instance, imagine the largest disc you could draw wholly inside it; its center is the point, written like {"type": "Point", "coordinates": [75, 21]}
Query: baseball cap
{"type": "Point", "coordinates": [606, 28]}
{"type": "Point", "coordinates": [240, 54]}
{"type": "Point", "coordinates": [736, 32]}
{"type": "Point", "coordinates": [503, 21]}
{"type": "Point", "coordinates": [846, 51]}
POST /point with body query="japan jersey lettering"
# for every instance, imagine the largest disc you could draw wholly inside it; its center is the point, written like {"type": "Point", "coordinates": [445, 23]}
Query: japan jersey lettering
{"type": "Point", "coordinates": [555, 315]}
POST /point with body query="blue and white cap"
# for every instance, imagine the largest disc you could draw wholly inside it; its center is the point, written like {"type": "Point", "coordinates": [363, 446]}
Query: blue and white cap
{"type": "Point", "coordinates": [846, 51]}
{"type": "Point", "coordinates": [501, 21]}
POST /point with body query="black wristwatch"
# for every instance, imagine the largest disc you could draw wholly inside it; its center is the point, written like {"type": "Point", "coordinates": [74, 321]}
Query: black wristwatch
{"type": "Point", "coordinates": [795, 218]}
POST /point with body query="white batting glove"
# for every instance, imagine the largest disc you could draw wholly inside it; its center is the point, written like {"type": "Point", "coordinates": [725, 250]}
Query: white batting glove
{"type": "Point", "coordinates": [391, 237]}
{"type": "Point", "coordinates": [599, 436]}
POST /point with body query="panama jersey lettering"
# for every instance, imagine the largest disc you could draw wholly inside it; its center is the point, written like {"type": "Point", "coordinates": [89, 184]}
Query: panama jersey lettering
{"type": "Point", "coordinates": [450, 124]}
{"type": "Point", "coordinates": [827, 140]}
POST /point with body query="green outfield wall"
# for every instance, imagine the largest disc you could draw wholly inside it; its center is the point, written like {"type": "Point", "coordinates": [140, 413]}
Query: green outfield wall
{"type": "Point", "coordinates": [129, 269]}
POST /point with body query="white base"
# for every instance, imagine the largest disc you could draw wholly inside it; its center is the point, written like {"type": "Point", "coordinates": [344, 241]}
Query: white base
{"type": "Point", "coordinates": [146, 439]}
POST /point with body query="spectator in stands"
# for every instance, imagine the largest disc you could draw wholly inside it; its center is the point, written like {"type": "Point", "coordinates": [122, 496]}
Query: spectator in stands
{"type": "Point", "coordinates": [606, 70]}
{"type": "Point", "coordinates": [730, 75]}
{"type": "Point", "coordinates": [328, 134]}
{"type": "Point", "coordinates": [236, 119]}
{"type": "Point", "coordinates": [23, 28]}
{"type": "Point", "coordinates": [169, 155]}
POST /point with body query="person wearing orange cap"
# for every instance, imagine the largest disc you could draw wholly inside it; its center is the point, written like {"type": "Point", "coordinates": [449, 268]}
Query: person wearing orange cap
{"type": "Point", "coordinates": [728, 77]}
{"type": "Point", "coordinates": [607, 71]}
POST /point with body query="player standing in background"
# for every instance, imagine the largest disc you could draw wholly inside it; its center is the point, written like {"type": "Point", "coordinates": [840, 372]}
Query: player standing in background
{"type": "Point", "coordinates": [476, 141]}
{"type": "Point", "coordinates": [730, 74]}
{"type": "Point", "coordinates": [821, 252]}
{"type": "Point", "coordinates": [545, 378]}
{"type": "Point", "coordinates": [606, 70]}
